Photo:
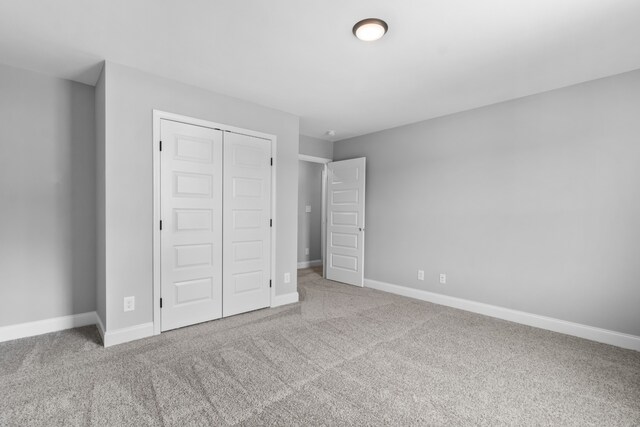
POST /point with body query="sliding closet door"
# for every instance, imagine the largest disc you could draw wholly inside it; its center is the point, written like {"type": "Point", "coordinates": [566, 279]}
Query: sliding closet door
{"type": "Point", "coordinates": [191, 236]}
{"type": "Point", "coordinates": [247, 230]}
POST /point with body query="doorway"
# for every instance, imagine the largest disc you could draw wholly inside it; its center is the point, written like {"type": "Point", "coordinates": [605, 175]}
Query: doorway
{"type": "Point", "coordinates": [311, 182]}
{"type": "Point", "coordinates": [338, 190]}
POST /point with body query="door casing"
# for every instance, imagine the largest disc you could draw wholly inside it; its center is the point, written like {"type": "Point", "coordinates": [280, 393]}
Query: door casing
{"type": "Point", "coordinates": [155, 225]}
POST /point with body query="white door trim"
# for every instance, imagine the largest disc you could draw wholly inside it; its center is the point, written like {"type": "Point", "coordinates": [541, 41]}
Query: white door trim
{"type": "Point", "coordinates": [155, 225]}
{"type": "Point", "coordinates": [313, 159]}
{"type": "Point", "coordinates": [274, 144]}
{"type": "Point", "coordinates": [323, 223]}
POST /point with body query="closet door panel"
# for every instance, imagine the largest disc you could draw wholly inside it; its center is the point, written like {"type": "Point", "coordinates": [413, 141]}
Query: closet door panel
{"type": "Point", "coordinates": [246, 217]}
{"type": "Point", "coordinates": [191, 236]}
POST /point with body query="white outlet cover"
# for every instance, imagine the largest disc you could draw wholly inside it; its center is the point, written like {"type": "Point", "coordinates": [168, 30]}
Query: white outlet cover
{"type": "Point", "coordinates": [307, 209]}
{"type": "Point", "coordinates": [443, 278]}
{"type": "Point", "coordinates": [420, 274]}
{"type": "Point", "coordinates": [129, 303]}
{"type": "Point", "coordinates": [306, 251]}
{"type": "Point", "coordinates": [287, 277]}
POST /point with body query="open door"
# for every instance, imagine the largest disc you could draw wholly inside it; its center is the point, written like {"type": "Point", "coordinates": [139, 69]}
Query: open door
{"type": "Point", "coordinates": [345, 221]}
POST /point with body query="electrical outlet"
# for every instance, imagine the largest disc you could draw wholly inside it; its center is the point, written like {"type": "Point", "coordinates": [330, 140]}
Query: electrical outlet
{"type": "Point", "coordinates": [420, 274]}
{"type": "Point", "coordinates": [443, 278]}
{"type": "Point", "coordinates": [287, 277]}
{"type": "Point", "coordinates": [129, 303]}
{"type": "Point", "coordinates": [307, 208]}
{"type": "Point", "coordinates": [306, 251]}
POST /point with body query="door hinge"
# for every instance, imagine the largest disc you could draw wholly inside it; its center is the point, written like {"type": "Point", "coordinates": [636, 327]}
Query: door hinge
{"type": "Point", "coordinates": [270, 223]}
{"type": "Point", "coordinates": [161, 225]}
{"type": "Point", "coordinates": [269, 282]}
{"type": "Point", "coordinates": [160, 302]}
{"type": "Point", "coordinates": [272, 161]}
{"type": "Point", "coordinates": [160, 145]}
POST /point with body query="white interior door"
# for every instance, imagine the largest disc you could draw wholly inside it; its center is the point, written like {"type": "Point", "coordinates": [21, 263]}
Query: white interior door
{"type": "Point", "coordinates": [247, 223]}
{"type": "Point", "coordinates": [191, 236]}
{"type": "Point", "coordinates": [345, 221]}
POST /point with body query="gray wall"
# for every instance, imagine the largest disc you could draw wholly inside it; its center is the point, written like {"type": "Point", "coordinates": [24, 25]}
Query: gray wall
{"type": "Point", "coordinates": [131, 96]}
{"type": "Point", "coordinates": [316, 147]}
{"type": "Point", "coordinates": [47, 204]}
{"type": "Point", "coordinates": [531, 204]}
{"type": "Point", "coordinates": [309, 224]}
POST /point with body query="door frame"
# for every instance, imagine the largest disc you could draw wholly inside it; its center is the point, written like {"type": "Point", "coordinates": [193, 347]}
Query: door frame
{"type": "Point", "coordinates": [323, 207]}
{"type": "Point", "coordinates": [159, 115]}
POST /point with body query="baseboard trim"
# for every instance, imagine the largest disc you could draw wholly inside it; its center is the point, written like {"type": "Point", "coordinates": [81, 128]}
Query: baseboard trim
{"type": "Point", "coordinates": [100, 327]}
{"type": "Point", "coordinates": [605, 336]}
{"type": "Point", "coordinates": [123, 335]}
{"type": "Point", "coordinates": [312, 263]}
{"type": "Point", "coordinates": [285, 299]}
{"type": "Point", "coordinates": [39, 327]}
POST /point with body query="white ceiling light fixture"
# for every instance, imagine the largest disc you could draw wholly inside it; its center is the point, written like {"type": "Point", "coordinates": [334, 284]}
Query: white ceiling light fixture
{"type": "Point", "coordinates": [370, 29]}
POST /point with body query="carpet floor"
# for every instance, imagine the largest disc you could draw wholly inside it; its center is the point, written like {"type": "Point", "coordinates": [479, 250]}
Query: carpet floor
{"type": "Point", "coordinates": [342, 356]}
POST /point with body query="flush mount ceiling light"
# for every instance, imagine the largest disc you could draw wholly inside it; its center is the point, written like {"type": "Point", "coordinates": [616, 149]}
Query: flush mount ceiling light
{"type": "Point", "coordinates": [370, 29]}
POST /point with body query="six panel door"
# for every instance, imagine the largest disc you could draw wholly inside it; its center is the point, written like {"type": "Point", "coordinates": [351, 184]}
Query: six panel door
{"type": "Point", "coordinates": [191, 237]}
{"type": "Point", "coordinates": [247, 229]}
{"type": "Point", "coordinates": [345, 221]}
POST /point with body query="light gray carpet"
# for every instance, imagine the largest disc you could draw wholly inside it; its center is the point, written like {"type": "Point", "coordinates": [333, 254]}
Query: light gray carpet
{"type": "Point", "coordinates": [343, 356]}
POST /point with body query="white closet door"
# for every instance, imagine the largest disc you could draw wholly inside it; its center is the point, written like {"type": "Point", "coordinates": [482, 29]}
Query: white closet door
{"type": "Point", "coordinates": [345, 221]}
{"type": "Point", "coordinates": [247, 230]}
{"type": "Point", "coordinates": [191, 236]}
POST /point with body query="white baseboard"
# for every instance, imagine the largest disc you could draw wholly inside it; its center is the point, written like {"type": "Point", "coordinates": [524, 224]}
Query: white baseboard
{"type": "Point", "coordinates": [29, 329]}
{"type": "Point", "coordinates": [312, 263]}
{"type": "Point", "coordinates": [123, 335]}
{"type": "Point", "coordinates": [576, 329]}
{"type": "Point", "coordinates": [285, 299]}
{"type": "Point", "coordinates": [100, 326]}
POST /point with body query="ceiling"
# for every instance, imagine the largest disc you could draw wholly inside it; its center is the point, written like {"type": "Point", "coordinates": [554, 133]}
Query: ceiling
{"type": "Point", "coordinates": [299, 56]}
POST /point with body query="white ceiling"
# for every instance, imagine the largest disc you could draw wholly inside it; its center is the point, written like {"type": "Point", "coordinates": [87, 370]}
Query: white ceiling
{"type": "Point", "coordinates": [300, 56]}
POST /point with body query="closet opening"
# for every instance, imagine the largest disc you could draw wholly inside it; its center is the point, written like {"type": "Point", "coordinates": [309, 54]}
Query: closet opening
{"type": "Point", "coordinates": [213, 220]}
